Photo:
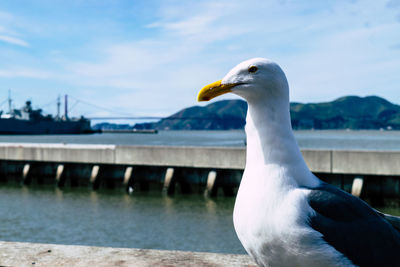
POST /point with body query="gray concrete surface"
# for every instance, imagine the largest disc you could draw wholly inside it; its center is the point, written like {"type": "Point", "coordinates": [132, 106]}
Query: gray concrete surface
{"type": "Point", "coordinates": [32, 254]}
{"type": "Point", "coordinates": [58, 153]}
{"type": "Point", "coordinates": [361, 162]}
{"type": "Point", "coordinates": [197, 157]}
{"type": "Point", "coordinates": [322, 161]}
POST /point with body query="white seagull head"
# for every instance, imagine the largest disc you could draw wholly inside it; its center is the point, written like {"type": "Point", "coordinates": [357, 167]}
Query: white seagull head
{"type": "Point", "coordinates": [254, 79]}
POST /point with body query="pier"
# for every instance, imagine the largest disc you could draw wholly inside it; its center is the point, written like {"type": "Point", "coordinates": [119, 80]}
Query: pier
{"type": "Point", "coordinates": [206, 170]}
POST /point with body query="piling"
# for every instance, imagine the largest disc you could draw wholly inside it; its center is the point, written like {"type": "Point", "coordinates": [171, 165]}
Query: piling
{"type": "Point", "coordinates": [357, 186]}
{"type": "Point", "coordinates": [25, 173]}
{"type": "Point", "coordinates": [127, 179]}
{"type": "Point", "coordinates": [169, 182]}
{"type": "Point", "coordinates": [94, 175]}
{"type": "Point", "coordinates": [127, 175]}
{"type": "Point", "coordinates": [211, 189]}
{"type": "Point", "coordinates": [60, 175]}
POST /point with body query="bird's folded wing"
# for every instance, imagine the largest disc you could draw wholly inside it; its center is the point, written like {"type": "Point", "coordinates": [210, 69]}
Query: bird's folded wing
{"type": "Point", "coordinates": [354, 229]}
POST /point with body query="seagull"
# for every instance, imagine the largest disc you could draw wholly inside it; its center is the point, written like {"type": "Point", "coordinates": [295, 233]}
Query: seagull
{"type": "Point", "coordinates": [284, 215]}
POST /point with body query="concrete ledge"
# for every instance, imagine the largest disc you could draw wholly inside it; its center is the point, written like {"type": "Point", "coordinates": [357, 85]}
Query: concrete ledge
{"type": "Point", "coordinates": [196, 157]}
{"type": "Point", "coordinates": [32, 254]}
{"type": "Point", "coordinates": [58, 152]}
{"type": "Point", "coordinates": [366, 162]}
{"type": "Point", "coordinates": [320, 161]}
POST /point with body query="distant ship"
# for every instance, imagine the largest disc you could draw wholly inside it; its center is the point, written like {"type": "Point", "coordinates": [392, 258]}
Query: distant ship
{"type": "Point", "coordinates": [31, 121]}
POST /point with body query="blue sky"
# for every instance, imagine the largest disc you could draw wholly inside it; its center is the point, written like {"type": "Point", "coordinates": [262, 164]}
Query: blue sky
{"type": "Point", "coordinates": [151, 57]}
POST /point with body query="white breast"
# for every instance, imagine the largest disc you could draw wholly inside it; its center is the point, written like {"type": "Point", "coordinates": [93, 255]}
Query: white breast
{"type": "Point", "coordinates": [270, 219]}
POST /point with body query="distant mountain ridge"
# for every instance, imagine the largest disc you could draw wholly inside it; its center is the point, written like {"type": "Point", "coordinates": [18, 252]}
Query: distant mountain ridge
{"type": "Point", "coordinates": [220, 115]}
{"type": "Point", "coordinates": [349, 112]}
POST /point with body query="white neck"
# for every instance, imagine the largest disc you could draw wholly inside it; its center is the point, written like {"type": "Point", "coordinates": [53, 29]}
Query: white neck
{"type": "Point", "coordinates": [270, 141]}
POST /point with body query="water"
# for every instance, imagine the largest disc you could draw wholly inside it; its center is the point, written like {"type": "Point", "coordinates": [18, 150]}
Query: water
{"type": "Point", "coordinates": [109, 218]}
{"type": "Point", "coordinates": [169, 138]}
{"type": "Point", "coordinates": [147, 220]}
{"type": "Point", "coordinates": [329, 139]}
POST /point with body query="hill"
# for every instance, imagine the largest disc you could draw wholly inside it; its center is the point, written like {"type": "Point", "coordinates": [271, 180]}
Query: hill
{"type": "Point", "coordinates": [221, 115]}
{"type": "Point", "coordinates": [349, 112]}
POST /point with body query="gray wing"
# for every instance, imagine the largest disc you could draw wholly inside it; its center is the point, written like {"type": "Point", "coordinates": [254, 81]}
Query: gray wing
{"type": "Point", "coordinates": [353, 228]}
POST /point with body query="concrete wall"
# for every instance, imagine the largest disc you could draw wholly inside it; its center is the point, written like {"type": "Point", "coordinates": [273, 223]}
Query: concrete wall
{"type": "Point", "coordinates": [362, 162]}
{"type": "Point", "coordinates": [193, 157]}
{"type": "Point", "coordinates": [321, 161]}
{"type": "Point", "coordinates": [104, 154]}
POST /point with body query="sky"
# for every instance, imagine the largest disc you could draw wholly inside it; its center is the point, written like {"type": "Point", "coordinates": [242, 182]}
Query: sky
{"type": "Point", "coordinates": [150, 58]}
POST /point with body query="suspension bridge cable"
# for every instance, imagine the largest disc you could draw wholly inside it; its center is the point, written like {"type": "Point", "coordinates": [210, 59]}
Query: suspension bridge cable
{"type": "Point", "coordinates": [2, 103]}
{"type": "Point", "coordinates": [70, 108]}
{"type": "Point", "coordinates": [101, 107]}
{"type": "Point", "coordinates": [54, 101]}
{"type": "Point", "coordinates": [127, 116]}
{"type": "Point", "coordinates": [45, 109]}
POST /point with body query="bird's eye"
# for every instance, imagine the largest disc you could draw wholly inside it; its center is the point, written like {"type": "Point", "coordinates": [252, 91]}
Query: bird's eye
{"type": "Point", "coordinates": [252, 69]}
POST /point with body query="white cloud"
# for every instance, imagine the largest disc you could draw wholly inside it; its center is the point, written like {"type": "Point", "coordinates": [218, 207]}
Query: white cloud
{"type": "Point", "coordinates": [8, 34]}
{"type": "Point", "coordinates": [25, 73]}
{"type": "Point", "coordinates": [13, 40]}
{"type": "Point", "coordinates": [357, 61]}
{"type": "Point", "coordinates": [200, 22]}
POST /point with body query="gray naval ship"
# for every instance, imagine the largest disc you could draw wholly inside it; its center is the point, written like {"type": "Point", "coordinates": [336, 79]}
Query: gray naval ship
{"type": "Point", "coordinates": [31, 121]}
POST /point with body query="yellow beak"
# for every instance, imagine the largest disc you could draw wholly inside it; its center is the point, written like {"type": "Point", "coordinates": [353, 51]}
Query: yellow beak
{"type": "Point", "coordinates": [212, 90]}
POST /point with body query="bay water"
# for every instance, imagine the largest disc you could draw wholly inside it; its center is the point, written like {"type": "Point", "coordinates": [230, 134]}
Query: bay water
{"type": "Point", "coordinates": [327, 139]}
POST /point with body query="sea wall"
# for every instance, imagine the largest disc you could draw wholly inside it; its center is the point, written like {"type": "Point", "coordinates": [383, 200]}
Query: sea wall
{"type": "Point", "coordinates": [185, 169]}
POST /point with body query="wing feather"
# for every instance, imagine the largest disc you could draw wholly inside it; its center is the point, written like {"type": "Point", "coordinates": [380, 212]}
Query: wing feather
{"type": "Point", "coordinates": [353, 228]}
